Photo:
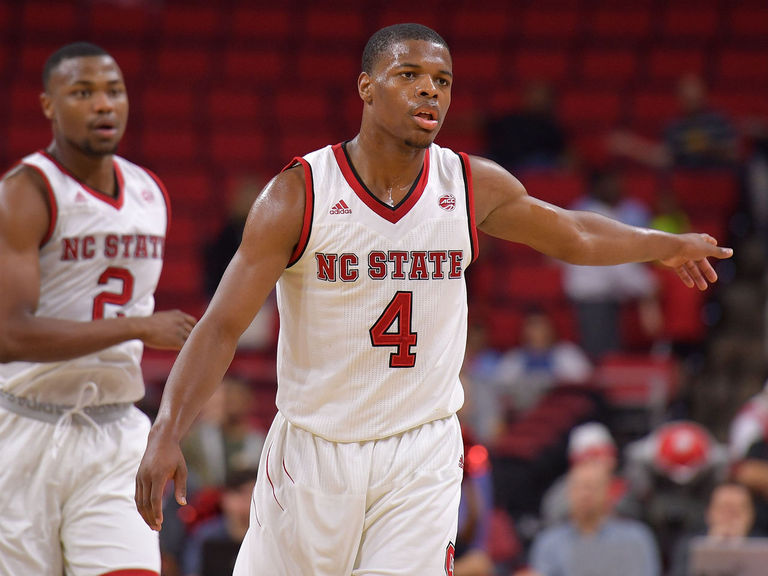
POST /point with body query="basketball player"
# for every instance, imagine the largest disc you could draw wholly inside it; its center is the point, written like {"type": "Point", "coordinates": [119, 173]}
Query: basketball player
{"type": "Point", "coordinates": [82, 236]}
{"type": "Point", "coordinates": [368, 242]}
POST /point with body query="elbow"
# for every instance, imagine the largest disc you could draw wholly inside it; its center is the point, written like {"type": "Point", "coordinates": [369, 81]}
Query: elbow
{"type": "Point", "coordinates": [11, 344]}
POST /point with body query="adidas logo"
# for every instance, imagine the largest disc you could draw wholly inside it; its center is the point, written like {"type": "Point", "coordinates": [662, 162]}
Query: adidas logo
{"type": "Point", "coordinates": [80, 197]}
{"type": "Point", "coordinates": [340, 208]}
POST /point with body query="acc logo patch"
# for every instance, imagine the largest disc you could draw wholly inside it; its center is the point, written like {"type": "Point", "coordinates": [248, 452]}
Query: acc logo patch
{"type": "Point", "coordinates": [447, 202]}
{"type": "Point", "coordinates": [147, 195]}
{"type": "Point", "coordinates": [450, 552]}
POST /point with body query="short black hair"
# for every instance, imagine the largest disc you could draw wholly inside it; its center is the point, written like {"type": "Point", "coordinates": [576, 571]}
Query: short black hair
{"type": "Point", "coordinates": [74, 50]}
{"type": "Point", "coordinates": [383, 39]}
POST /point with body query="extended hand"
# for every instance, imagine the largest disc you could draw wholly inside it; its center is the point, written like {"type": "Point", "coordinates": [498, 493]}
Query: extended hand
{"type": "Point", "coordinates": [167, 330]}
{"type": "Point", "coordinates": [162, 461]}
{"type": "Point", "coordinates": [690, 262]}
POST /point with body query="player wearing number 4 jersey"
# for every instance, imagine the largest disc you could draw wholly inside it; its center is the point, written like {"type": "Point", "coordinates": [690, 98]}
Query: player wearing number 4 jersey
{"type": "Point", "coordinates": [368, 242]}
{"type": "Point", "coordinates": [82, 236]}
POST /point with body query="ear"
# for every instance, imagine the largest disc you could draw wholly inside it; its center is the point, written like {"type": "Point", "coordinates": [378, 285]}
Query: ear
{"type": "Point", "coordinates": [47, 105]}
{"type": "Point", "coordinates": [364, 87]}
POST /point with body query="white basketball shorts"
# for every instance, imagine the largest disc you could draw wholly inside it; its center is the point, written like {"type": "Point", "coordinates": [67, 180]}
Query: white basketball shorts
{"type": "Point", "coordinates": [67, 502]}
{"type": "Point", "coordinates": [387, 506]}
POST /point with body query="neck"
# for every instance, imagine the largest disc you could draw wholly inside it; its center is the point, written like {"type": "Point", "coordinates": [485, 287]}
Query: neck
{"type": "Point", "coordinates": [97, 172]}
{"type": "Point", "coordinates": [388, 171]}
{"type": "Point", "coordinates": [588, 524]}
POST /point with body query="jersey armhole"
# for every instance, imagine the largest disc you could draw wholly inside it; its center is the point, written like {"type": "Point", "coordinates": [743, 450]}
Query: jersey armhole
{"type": "Point", "coordinates": [53, 209]}
{"type": "Point", "coordinates": [470, 198]}
{"type": "Point", "coordinates": [309, 208]}
{"type": "Point", "coordinates": [166, 198]}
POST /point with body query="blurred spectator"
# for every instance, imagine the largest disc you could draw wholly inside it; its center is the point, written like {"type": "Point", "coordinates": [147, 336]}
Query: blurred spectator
{"type": "Point", "coordinates": [542, 360]}
{"type": "Point", "coordinates": [531, 137]}
{"type": "Point", "coordinates": [730, 516]}
{"type": "Point", "coordinates": [670, 474]}
{"type": "Point", "coordinates": [748, 448]}
{"type": "Point", "coordinates": [224, 438]}
{"type": "Point", "coordinates": [699, 137]}
{"type": "Point", "coordinates": [480, 413]}
{"type": "Point", "coordinates": [598, 292]}
{"type": "Point", "coordinates": [668, 215]}
{"type": "Point", "coordinates": [590, 442]}
{"type": "Point", "coordinates": [756, 179]}
{"type": "Point", "coordinates": [472, 557]}
{"type": "Point", "coordinates": [593, 542]}
{"type": "Point", "coordinates": [212, 548]}
{"type": "Point", "coordinates": [219, 250]}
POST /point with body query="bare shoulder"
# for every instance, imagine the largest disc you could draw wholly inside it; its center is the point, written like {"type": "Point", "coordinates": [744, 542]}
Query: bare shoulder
{"type": "Point", "coordinates": [493, 186]}
{"type": "Point", "coordinates": [24, 204]}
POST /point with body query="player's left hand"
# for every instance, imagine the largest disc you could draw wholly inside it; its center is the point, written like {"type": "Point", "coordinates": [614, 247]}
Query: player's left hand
{"type": "Point", "coordinates": [690, 261]}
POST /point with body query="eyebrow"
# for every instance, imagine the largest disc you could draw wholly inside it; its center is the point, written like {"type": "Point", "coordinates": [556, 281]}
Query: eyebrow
{"type": "Point", "coordinates": [409, 65]}
{"type": "Point", "coordinates": [89, 83]}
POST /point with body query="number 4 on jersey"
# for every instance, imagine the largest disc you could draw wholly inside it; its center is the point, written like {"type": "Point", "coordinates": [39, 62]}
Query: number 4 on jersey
{"type": "Point", "coordinates": [398, 311]}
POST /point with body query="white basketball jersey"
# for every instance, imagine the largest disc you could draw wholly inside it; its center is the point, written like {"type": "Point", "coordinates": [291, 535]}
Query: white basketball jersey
{"type": "Point", "coordinates": [373, 305]}
{"type": "Point", "coordinates": [101, 258]}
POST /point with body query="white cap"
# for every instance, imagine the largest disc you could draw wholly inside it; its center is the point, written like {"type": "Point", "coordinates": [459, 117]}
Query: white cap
{"type": "Point", "coordinates": [590, 440]}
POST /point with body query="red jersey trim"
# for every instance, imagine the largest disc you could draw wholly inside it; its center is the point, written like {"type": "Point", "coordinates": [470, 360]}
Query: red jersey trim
{"type": "Point", "coordinates": [309, 209]}
{"type": "Point", "coordinates": [470, 195]}
{"type": "Point", "coordinates": [116, 202]}
{"type": "Point", "coordinates": [390, 213]}
{"type": "Point", "coordinates": [131, 572]}
{"type": "Point", "coordinates": [166, 197]}
{"type": "Point", "coordinates": [54, 207]}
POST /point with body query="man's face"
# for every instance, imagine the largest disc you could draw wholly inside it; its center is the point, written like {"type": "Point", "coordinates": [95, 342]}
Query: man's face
{"type": "Point", "coordinates": [588, 490]}
{"type": "Point", "coordinates": [409, 91]}
{"type": "Point", "coordinates": [87, 104]}
{"type": "Point", "coordinates": [730, 513]}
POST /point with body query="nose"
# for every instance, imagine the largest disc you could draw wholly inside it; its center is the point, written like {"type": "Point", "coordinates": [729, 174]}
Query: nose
{"type": "Point", "coordinates": [102, 101]}
{"type": "Point", "coordinates": [427, 87]}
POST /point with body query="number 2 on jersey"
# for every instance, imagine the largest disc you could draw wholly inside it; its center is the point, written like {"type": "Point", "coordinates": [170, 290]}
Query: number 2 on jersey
{"type": "Point", "coordinates": [116, 298]}
{"type": "Point", "coordinates": [398, 311]}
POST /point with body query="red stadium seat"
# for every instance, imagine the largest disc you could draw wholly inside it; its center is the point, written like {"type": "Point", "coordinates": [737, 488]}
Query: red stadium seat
{"type": "Point", "coordinates": [261, 24]}
{"type": "Point", "coordinates": [253, 67]}
{"type": "Point", "coordinates": [637, 380]}
{"type": "Point", "coordinates": [651, 111]}
{"type": "Point", "coordinates": [590, 109]}
{"type": "Point", "coordinates": [693, 22]}
{"type": "Point", "coordinates": [329, 68]}
{"type": "Point", "coordinates": [169, 106]}
{"type": "Point", "coordinates": [503, 328]}
{"type": "Point", "coordinates": [555, 186]}
{"type": "Point", "coordinates": [540, 284]}
{"type": "Point", "coordinates": [711, 192]}
{"type": "Point", "coordinates": [557, 24]}
{"type": "Point", "coordinates": [109, 21]}
{"type": "Point", "coordinates": [239, 147]}
{"type": "Point", "coordinates": [476, 68]}
{"type": "Point", "coordinates": [666, 64]}
{"type": "Point", "coordinates": [551, 65]}
{"type": "Point", "coordinates": [24, 137]}
{"type": "Point", "coordinates": [233, 106]}
{"type": "Point", "coordinates": [642, 185]}
{"type": "Point", "coordinates": [739, 103]}
{"type": "Point", "coordinates": [619, 24]}
{"type": "Point", "coordinates": [190, 21]}
{"type": "Point", "coordinates": [478, 25]}
{"type": "Point", "coordinates": [173, 147]}
{"type": "Point", "coordinates": [191, 188]}
{"type": "Point", "coordinates": [747, 22]}
{"type": "Point", "coordinates": [187, 64]}
{"type": "Point", "coordinates": [52, 18]}
{"type": "Point", "coordinates": [615, 68]}
{"type": "Point", "coordinates": [339, 26]}
{"type": "Point", "coordinates": [747, 68]}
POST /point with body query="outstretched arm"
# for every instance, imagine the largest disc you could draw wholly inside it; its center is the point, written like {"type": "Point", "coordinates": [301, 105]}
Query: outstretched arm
{"type": "Point", "coordinates": [505, 210]}
{"type": "Point", "coordinates": [24, 220]}
{"type": "Point", "coordinates": [270, 236]}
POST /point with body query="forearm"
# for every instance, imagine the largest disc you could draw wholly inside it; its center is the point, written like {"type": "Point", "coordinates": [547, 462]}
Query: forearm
{"type": "Point", "coordinates": [38, 339]}
{"type": "Point", "coordinates": [197, 372]}
{"type": "Point", "coordinates": [601, 241]}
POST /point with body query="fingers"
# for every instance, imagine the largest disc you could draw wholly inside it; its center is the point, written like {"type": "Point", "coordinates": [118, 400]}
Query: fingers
{"type": "Point", "coordinates": [143, 502]}
{"type": "Point", "coordinates": [154, 505]}
{"type": "Point", "coordinates": [684, 276]}
{"type": "Point", "coordinates": [180, 484]}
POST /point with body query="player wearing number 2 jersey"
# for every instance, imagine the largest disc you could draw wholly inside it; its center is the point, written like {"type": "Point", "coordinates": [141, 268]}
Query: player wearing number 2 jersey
{"type": "Point", "coordinates": [82, 235]}
{"type": "Point", "coordinates": [368, 242]}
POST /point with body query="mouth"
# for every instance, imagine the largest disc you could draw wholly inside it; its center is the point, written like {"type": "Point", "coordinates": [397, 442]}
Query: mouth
{"type": "Point", "coordinates": [426, 118]}
{"type": "Point", "coordinates": [105, 127]}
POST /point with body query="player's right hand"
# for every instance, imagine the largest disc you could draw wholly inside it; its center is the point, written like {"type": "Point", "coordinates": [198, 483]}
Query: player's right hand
{"type": "Point", "coordinates": [167, 330]}
{"type": "Point", "coordinates": [162, 461]}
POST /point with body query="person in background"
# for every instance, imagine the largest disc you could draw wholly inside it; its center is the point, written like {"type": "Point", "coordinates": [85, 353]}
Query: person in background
{"type": "Point", "coordinates": [212, 547]}
{"type": "Point", "coordinates": [730, 516]}
{"type": "Point", "coordinates": [593, 541]}
{"type": "Point", "coordinates": [82, 241]}
{"type": "Point", "coordinates": [531, 137]}
{"type": "Point", "coordinates": [541, 361]}
{"type": "Point", "coordinates": [599, 292]}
